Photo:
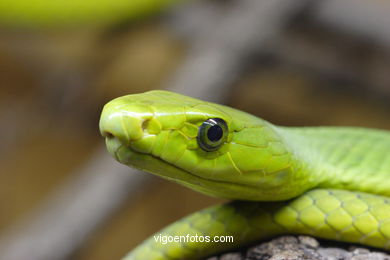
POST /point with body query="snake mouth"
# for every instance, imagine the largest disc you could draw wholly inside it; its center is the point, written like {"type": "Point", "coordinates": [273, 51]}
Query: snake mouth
{"type": "Point", "coordinates": [113, 144]}
{"type": "Point", "coordinates": [124, 154]}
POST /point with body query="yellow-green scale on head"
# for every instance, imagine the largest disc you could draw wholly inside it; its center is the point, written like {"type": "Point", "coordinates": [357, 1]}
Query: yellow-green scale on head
{"type": "Point", "coordinates": [252, 162]}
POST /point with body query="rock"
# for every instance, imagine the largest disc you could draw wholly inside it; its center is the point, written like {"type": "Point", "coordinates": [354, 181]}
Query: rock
{"type": "Point", "coordinates": [334, 253]}
{"type": "Point", "coordinates": [302, 248]}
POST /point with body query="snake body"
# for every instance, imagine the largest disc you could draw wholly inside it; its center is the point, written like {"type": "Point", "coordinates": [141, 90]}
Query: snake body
{"type": "Point", "coordinates": [329, 182]}
{"type": "Point", "coordinates": [41, 14]}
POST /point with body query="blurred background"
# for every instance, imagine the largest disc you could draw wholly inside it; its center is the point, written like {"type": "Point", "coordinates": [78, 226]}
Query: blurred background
{"type": "Point", "coordinates": [290, 62]}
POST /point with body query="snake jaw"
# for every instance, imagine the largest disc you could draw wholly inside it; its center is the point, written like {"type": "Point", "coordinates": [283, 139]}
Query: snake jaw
{"type": "Point", "coordinates": [157, 132]}
{"type": "Point", "coordinates": [113, 145]}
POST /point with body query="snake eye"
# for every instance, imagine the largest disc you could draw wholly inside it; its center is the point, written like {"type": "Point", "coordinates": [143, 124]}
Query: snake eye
{"type": "Point", "coordinates": [212, 134]}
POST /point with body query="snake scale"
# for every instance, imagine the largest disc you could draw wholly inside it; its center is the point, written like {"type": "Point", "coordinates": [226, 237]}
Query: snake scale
{"type": "Point", "coordinates": [329, 182]}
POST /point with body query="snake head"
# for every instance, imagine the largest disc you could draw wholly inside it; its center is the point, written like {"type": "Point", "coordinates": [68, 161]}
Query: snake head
{"type": "Point", "coordinates": [211, 148]}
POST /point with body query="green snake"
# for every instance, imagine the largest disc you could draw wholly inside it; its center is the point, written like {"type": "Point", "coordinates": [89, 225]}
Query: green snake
{"type": "Point", "coordinates": [75, 13]}
{"type": "Point", "coordinates": [329, 182]}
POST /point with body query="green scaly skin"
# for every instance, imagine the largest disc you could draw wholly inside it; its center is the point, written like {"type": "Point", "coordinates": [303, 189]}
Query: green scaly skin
{"type": "Point", "coordinates": [329, 182]}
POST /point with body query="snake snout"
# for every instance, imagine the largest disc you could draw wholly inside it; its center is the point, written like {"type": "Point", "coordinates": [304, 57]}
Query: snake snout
{"type": "Point", "coordinates": [122, 127]}
{"type": "Point", "coordinates": [124, 120]}
{"type": "Point", "coordinates": [119, 129]}
{"type": "Point", "coordinates": [107, 134]}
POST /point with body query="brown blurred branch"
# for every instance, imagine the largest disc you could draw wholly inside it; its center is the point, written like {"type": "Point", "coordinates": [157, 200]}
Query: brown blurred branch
{"type": "Point", "coordinates": [64, 222]}
{"type": "Point", "coordinates": [359, 64]}
{"type": "Point", "coordinates": [326, 41]}
{"type": "Point", "coordinates": [369, 19]}
{"type": "Point", "coordinates": [221, 47]}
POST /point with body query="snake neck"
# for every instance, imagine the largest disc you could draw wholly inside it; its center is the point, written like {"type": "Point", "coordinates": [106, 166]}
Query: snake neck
{"type": "Point", "coordinates": [343, 158]}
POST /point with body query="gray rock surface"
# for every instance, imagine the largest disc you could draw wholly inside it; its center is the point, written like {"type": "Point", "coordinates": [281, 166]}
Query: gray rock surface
{"type": "Point", "coordinates": [303, 248]}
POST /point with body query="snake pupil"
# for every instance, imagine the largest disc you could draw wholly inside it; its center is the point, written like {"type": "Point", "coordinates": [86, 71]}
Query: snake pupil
{"type": "Point", "coordinates": [215, 133]}
{"type": "Point", "coordinates": [212, 134]}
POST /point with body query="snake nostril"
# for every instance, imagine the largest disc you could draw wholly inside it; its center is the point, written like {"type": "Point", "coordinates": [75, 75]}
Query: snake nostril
{"type": "Point", "coordinates": [145, 125]}
{"type": "Point", "coordinates": [108, 134]}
